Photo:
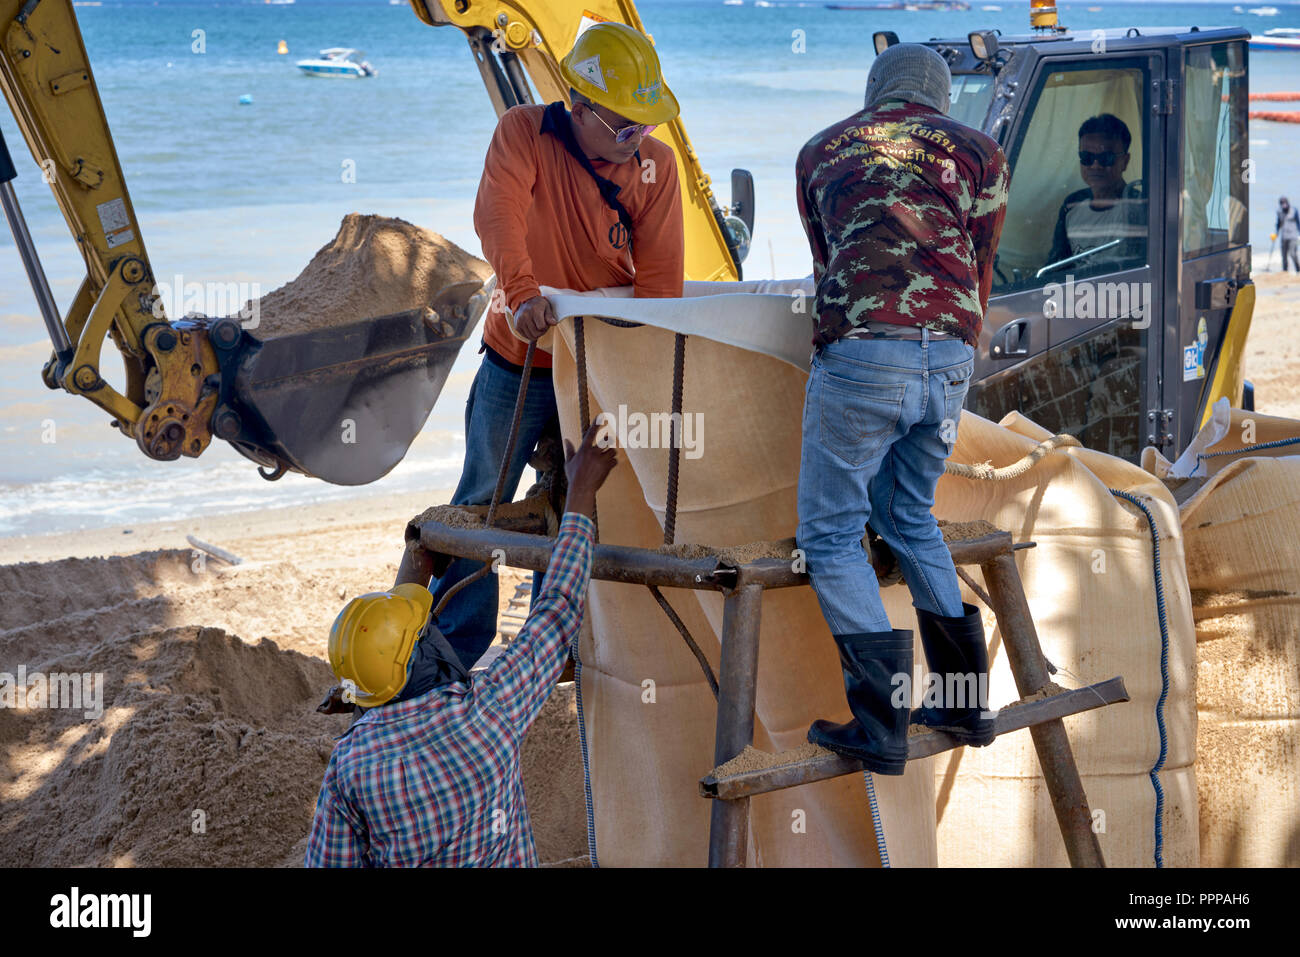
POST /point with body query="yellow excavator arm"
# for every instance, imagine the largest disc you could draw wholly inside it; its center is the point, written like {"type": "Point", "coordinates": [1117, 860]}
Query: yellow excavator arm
{"type": "Point", "coordinates": [47, 80]}
{"type": "Point", "coordinates": [283, 401]}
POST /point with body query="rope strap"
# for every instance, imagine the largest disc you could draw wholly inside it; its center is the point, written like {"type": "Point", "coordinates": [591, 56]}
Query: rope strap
{"type": "Point", "coordinates": [584, 408]}
{"type": "Point", "coordinates": [501, 477]}
{"type": "Point", "coordinates": [686, 637]}
{"type": "Point", "coordinates": [1020, 467]}
{"type": "Point", "coordinates": [675, 439]}
{"type": "Point", "coordinates": [1162, 618]}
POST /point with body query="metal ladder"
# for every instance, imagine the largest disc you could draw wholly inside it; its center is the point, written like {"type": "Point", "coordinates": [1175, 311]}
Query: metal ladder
{"type": "Point", "coordinates": [737, 680]}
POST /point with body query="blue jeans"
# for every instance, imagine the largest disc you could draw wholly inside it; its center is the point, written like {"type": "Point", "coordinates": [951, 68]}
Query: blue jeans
{"type": "Point", "coordinates": [469, 622]}
{"type": "Point", "coordinates": [879, 419]}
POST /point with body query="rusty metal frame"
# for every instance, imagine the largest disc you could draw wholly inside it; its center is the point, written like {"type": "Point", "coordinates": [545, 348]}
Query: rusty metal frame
{"type": "Point", "coordinates": [742, 587]}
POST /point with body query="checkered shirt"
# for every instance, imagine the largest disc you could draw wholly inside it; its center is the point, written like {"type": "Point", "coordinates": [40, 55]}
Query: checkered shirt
{"type": "Point", "coordinates": [435, 781]}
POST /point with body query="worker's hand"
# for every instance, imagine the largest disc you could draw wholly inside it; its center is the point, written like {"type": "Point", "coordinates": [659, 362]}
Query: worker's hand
{"type": "Point", "coordinates": [587, 470]}
{"type": "Point", "coordinates": [534, 317]}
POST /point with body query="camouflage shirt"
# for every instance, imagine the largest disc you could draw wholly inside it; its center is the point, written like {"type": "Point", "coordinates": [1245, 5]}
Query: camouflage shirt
{"type": "Point", "coordinates": [903, 208]}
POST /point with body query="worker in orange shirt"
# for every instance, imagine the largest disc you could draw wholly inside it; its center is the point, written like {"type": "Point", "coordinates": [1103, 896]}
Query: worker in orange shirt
{"type": "Point", "coordinates": [580, 200]}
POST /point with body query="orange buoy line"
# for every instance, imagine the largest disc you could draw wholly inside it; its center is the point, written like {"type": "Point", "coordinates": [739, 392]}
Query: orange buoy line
{"type": "Point", "coordinates": [1279, 97]}
{"type": "Point", "coordinates": [1276, 116]}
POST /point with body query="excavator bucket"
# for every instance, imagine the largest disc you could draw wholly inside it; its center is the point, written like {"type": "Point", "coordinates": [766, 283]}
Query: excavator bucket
{"type": "Point", "coordinates": [341, 403]}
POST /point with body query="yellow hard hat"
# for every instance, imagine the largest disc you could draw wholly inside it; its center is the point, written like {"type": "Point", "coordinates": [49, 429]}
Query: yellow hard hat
{"type": "Point", "coordinates": [372, 640]}
{"type": "Point", "coordinates": [615, 66]}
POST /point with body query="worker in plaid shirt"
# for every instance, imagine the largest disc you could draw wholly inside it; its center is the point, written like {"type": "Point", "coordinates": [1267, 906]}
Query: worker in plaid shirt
{"type": "Point", "coordinates": [432, 777]}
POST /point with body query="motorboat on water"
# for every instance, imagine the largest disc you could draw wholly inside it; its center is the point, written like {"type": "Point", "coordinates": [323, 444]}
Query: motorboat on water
{"type": "Point", "coordinates": [338, 61]}
{"type": "Point", "coordinates": [1263, 11]}
{"type": "Point", "coordinates": [1280, 38]}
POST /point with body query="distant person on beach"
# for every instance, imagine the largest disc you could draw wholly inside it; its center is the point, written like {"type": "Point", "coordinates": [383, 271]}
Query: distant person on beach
{"type": "Point", "coordinates": [1288, 231]}
{"type": "Point", "coordinates": [1109, 208]}
{"type": "Point", "coordinates": [903, 208]}
{"type": "Point", "coordinates": [575, 200]}
{"type": "Point", "coordinates": [429, 775]}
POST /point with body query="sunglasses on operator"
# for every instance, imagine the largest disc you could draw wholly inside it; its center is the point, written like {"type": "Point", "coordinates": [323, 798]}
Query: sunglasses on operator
{"type": "Point", "coordinates": [627, 132]}
{"type": "Point", "coordinates": [1106, 159]}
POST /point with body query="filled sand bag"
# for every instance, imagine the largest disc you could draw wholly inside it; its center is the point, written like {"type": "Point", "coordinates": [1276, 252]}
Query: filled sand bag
{"type": "Point", "coordinates": [649, 714]}
{"type": "Point", "coordinates": [1242, 539]}
{"type": "Point", "coordinates": [1091, 585]}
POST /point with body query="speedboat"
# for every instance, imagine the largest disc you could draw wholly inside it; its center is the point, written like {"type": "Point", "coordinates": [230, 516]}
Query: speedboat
{"type": "Point", "coordinates": [1282, 38]}
{"type": "Point", "coordinates": [337, 61]}
{"type": "Point", "coordinates": [1263, 11]}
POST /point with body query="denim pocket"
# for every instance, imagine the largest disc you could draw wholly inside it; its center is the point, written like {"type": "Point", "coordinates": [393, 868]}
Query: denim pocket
{"type": "Point", "coordinates": [857, 417]}
{"type": "Point", "coordinates": [955, 386]}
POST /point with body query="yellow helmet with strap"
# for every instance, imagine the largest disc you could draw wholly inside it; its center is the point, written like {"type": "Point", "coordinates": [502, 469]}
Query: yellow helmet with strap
{"type": "Point", "coordinates": [372, 639]}
{"type": "Point", "coordinates": [616, 67]}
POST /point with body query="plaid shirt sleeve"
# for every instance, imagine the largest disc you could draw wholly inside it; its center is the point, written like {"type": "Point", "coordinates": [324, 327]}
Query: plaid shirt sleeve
{"type": "Point", "coordinates": [521, 679]}
{"type": "Point", "coordinates": [337, 837]}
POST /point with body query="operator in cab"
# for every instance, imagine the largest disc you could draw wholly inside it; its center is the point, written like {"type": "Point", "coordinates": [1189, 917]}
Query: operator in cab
{"type": "Point", "coordinates": [1110, 213]}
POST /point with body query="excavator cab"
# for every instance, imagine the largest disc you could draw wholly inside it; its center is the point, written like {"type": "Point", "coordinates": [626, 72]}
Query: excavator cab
{"type": "Point", "coordinates": [1112, 316]}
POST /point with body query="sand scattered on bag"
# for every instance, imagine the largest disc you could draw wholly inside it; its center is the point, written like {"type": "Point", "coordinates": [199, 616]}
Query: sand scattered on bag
{"type": "Point", "coordinates": [966, 531]}
{"type": "Point", "coordinates": [752, 759]}
{"type": "Point", "coordinates": [475, 516]}
{"type": "Point", "coordinates": [374, 266]}
{"type": "Point", "coordinates": [1048, 690]}
{"type": "Point", "coordinates": [781, 548]}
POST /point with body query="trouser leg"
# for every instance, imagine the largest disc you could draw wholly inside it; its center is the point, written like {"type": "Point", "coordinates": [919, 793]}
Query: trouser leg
{"type": "Point", "coordinates": [469, 622]}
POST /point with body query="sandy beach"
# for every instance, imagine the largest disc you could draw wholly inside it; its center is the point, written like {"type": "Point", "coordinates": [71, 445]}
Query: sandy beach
{"type": "Point", "coordinates": [1272, 350]}
{"type": "Point", "coordinates": [356, 532]}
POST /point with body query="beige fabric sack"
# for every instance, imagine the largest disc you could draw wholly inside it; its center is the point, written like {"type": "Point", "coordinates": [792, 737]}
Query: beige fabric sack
{"type": "Point", "coordinates": [1242, 538]}
{"type": "Point", "coordinates": [649, 715]}
{"type": "Point", "coordinates": [1090, 585]}
{"type": "Point", "coordinates": [649, 744]}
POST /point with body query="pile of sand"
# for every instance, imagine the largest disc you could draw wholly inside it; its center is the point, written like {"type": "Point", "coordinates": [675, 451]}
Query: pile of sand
{"type": "Point", "coordinates": [207, 753]}
{"type": "Point", "coordinates": [375, 266]}
{"type": "Point", "coordinates": [196, 719]}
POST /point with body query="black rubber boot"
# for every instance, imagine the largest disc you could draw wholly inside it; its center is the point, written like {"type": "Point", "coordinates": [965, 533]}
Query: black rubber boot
{"type": "Point", "coordinates": [878, 734]}
{"type": "Point", "coordinates": [956, 646]}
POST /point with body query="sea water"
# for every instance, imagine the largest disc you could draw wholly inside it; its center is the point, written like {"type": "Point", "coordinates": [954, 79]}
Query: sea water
{"type": "Point", "coordinates": [228, 192]}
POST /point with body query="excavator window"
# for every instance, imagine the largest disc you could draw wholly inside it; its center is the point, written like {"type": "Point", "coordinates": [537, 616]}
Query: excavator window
{"type": "Point", "coordinates": [1214, 149]}
{"type": "Point", "coordinates": [970, 98]}
{"type": "Point", "coordinates": [1072, 273]}
{"type": "Point", "coordinates": [1077, 205]}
